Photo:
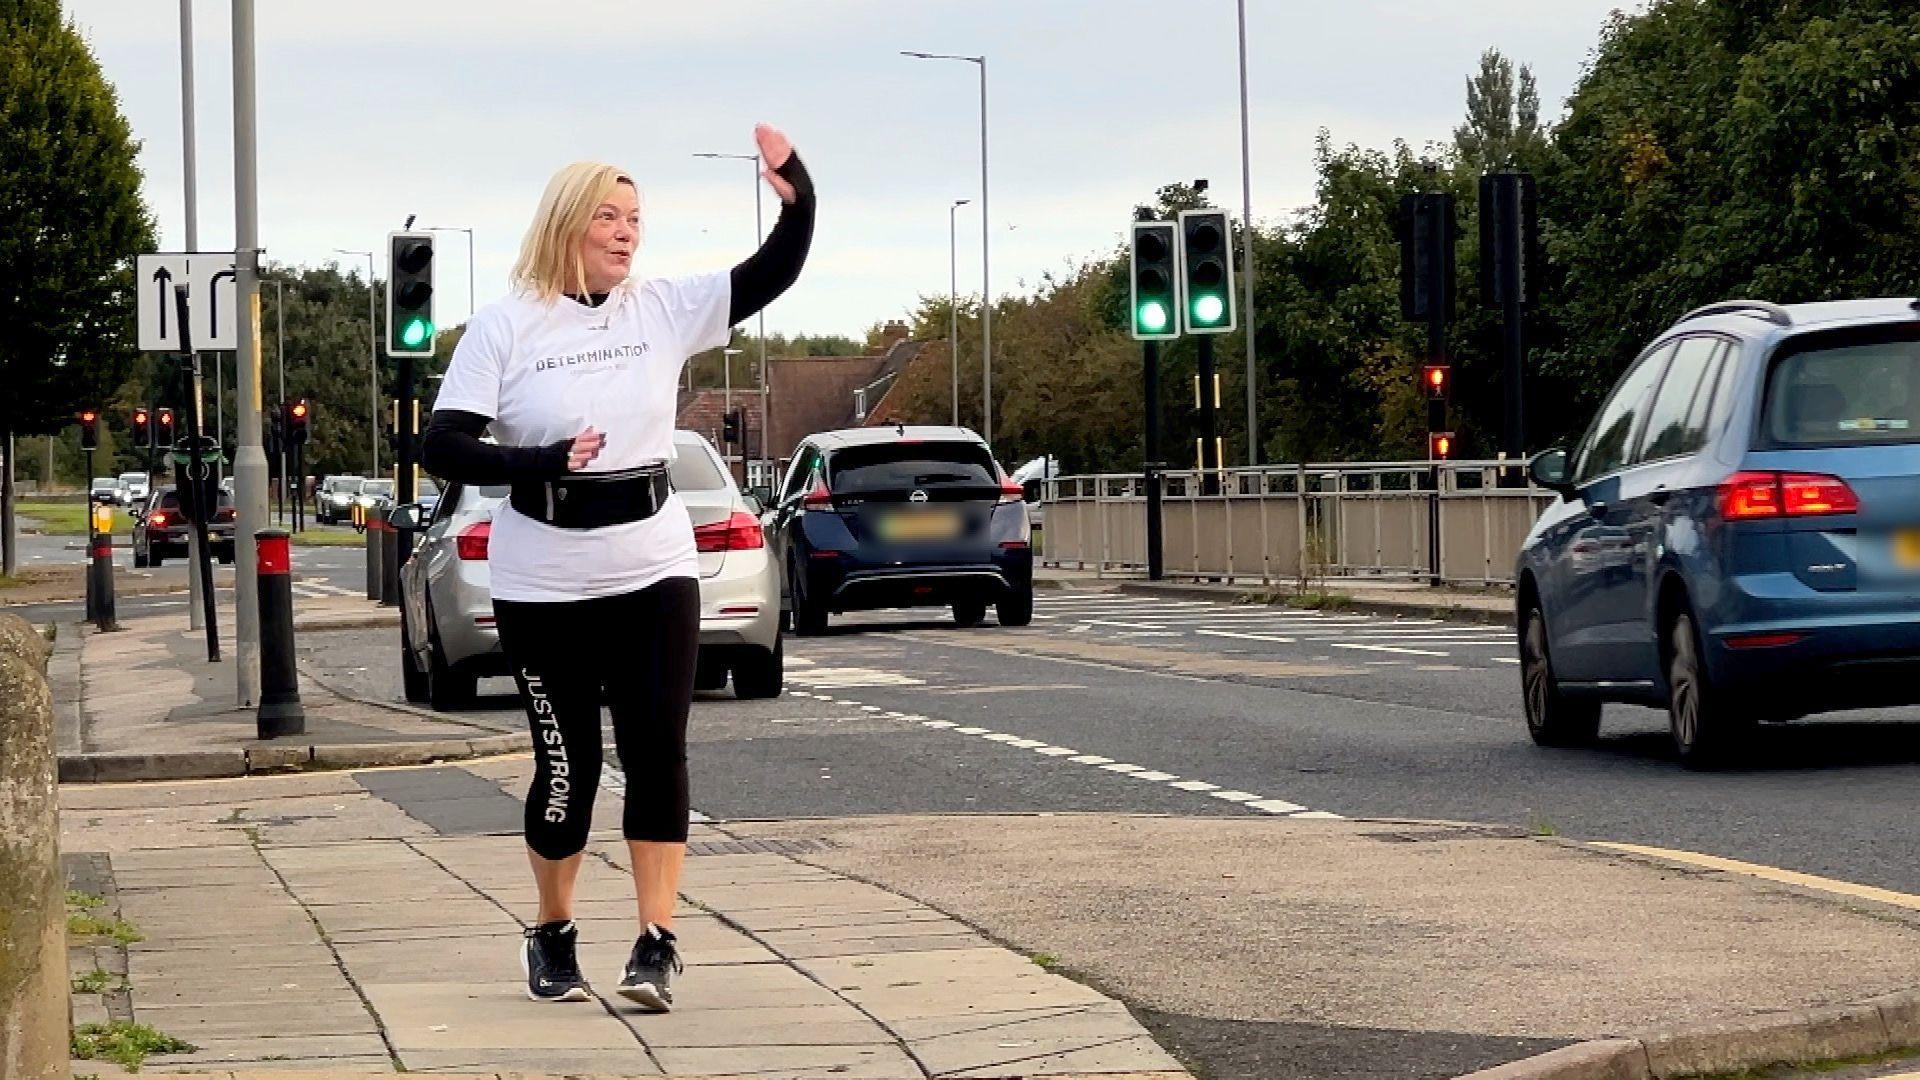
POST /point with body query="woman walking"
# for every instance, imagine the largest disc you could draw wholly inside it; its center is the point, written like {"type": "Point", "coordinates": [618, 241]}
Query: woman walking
{"type": "Point", "coordinates": [592, 560]}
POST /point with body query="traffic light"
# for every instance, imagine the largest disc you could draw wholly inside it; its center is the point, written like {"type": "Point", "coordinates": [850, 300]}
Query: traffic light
{"type": "Point", "coordinates": [163, 433]}
{"type": "Point", "coordinates": [297, 416]}
{"type": "Point", "coordinates": [1206, 272]}
{"type": "Point", "coordinates": [142, 427]}
{"type": "Point", "coordinates": [89, 429]}
{"type": "Point", "coordinates": [1426, 257]}
{"type": "Point", "coordinates": [1509, 240]}
{"type": "Point", "coordinates": [730, 427]}
{"type": "Point", "coordinates": [1440, 445]}
{"type": "Point", "coordinates": [1437, 381]}
{"type": "Point", "coordinates": [276, 433]}
{"type": "Point", "coordinates": [1154, 296]}
{"type": "Point", "coordinates": [410, 294]}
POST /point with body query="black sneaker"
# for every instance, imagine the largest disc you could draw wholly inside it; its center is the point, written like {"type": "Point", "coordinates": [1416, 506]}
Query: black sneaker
{"type": "Point", "coordinates": [650, 970]}
{"type": "Point", "coordinates": [553, 969]}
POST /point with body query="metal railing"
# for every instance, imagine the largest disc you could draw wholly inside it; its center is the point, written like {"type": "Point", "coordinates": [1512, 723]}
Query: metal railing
{"type": "Point", "coordinates": [1457, 522]}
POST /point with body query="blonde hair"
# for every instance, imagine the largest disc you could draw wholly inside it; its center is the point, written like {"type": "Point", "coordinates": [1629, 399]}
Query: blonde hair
{"type": "Point", "coordinates": [549, 262]}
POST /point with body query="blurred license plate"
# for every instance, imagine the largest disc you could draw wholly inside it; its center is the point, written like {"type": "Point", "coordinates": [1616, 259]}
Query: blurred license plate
{"type": "Point", "coordinates": [920, 525]}
{"type": "Point", "coordinates": [1906, 549]}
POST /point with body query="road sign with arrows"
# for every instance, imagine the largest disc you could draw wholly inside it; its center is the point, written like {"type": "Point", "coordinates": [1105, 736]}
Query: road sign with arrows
{"type": "Point", "coordinates": [212, 302]}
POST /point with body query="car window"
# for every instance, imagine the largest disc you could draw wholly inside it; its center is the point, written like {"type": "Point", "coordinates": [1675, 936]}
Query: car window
{"type": "Point", "coordinates": [1860, 388]}
{"type": "Point", "coordinates": [1610, 442]}
{"type": "Point", "coordinates": [799, 472]}
{"type": "Point", "coordinates": [1688, 380]}
{"type": "Point", "coordinates": [1715, 399]}
{"type": "Point", "coordinates": [907, 466]}
{"type": "Point", "coordinates": [377, 487]}
{"type": "Point", "coordinates": [694, 469]}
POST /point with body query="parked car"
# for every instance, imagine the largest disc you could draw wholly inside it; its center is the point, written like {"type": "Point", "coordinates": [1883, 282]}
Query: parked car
{"type": "Point", "coordinates": [897, 517]}
{"type": "Point", "coordinates": [448, 639]}
{"type": "Point", "coordinates": [1738, 538]}
{"type": "Point", "coordinates": [160, 530]}
{"type": "Point", "coordinates": [136, 486]}
{"type": "Point", "coordinates": [333, 499]}
{"type": "Point", "coordinates": [105, 489]}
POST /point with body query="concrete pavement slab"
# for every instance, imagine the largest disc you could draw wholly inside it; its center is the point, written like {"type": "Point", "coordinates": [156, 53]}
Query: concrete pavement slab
{"type": "Point", "coordinates": [1138, 1054]}
{"type": "Point", "coordinates": [441, 912]}
{"type": "Point", "coordinates": [217, 957]}
{"type": "Point", "coordinates": [265, 1047]}
{"type": "Point", "coordinates": [751, 986]}
{"type": "Point", "coordinates": [801, 948]}
{"type": "Point", "coordinates": [478, 959]}
{"type": "Point", "coordinates": [265, 987]}
{"type": "Point", "coordinates": [193, 1023]}
{"type": "Point", "coordinates": [456, 1014]}
{"type": "Point", "coordinates": [901, 968]}
{"type": "Point", "coordinates": [964, 997]}
{"type": "Point", "coordinates": [501, 1061]}
{"type": "Point", "coordinates": [714, 1025]}
{"type": "Point", "coordinates": [879, 1061]}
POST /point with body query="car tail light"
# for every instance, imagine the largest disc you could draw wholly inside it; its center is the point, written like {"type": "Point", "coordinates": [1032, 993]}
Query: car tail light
{"type": "Point", "coordinates": [471, 542]}
{"type": "Point", "coordinates": [1764, 641]}
{"type": "Point", "coordinates": [740, 532]}
{"type": "Point", "coordinates": [1749, 495]}
{"type": "Point", "coordinates": [157, 519]}
{"type": "Point", "coordinates": [819, 498]}
{"type": "Point", "coordinates": [1011, 492]}
{"type": "Point", "coordinates": [225, 513]}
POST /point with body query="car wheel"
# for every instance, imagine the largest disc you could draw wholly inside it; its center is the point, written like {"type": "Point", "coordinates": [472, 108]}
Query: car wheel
{"type": "Point", "coordinates": [969, 612]}
{"type": "Point", "coordinates": [154, 558]}
{"type": "Point", "coordinates": [710, 672]}
{"type": "Point", "coordinates": [226, 557]}
{"type": "Point", "coordinates": [1703, 718]}
{"type": "Point", "coordinates": [1553, 719]}
{"type": "Point", "coordinates": [139, 560]}
{"type": "Point", "coordinates": [412, 679]}
{"type": "Point", "coordinates": [1015, 609]}
{"type": "Point", "coordinates": [448, 688]}
{"type": "Point", "coordinates": [760, 673]}
{"type": "Point", "coordinates": [809, 619]}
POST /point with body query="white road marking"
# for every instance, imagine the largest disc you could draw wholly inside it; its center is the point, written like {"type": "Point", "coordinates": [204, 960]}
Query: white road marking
{"type": "Point", "coordinates": [1195, 785]}
{"type": "Point", "coordinates": [938, 723]}
{"type": "Point", "coordinates": [1319, 815]}
{"type": "Point", "coordinates": [1505, 659]}
{"type": "Point", "coordinates": [1246, 637]}
{"type": "Point", "coordinates": [1027, 744]}
{"type": "Point", "coordinates": [1124, 767]}
{"type": "Point", "coordinates": [972, 731]}
{"type": "Point", "coordinates": [1235, 796]}
{"type": "Point", "coordinates": [1277, 806]}
{"type": "Point", "coordinates": [1090, 759]}
{"type": "Point", "coordinates": [1388, 648]}
{"type": "Point", "coordinates": [1122, 625]}
{"type": "Point", "coordinates": [1056, 751]}
{"type": "Point", "coordinates": [1155, 775]}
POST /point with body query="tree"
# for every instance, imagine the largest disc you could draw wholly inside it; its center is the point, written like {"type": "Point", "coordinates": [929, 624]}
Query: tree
{"type": "Point", "coordinates": [71, 221]}
{"type": "Point", "coordinates": [1502, 129]}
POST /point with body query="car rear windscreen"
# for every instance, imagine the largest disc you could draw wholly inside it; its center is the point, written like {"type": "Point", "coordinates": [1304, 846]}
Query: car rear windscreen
{"type": "Point", "coordinates": [911, 466]}
{"type": "Point", "coordinates": [693, 470]}
{"type": "Point", "coordinates": [1856, 390]}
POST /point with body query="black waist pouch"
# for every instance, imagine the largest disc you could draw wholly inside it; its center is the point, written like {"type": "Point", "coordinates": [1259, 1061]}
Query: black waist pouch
{"type": "Point", "coordinates": [595, 500]}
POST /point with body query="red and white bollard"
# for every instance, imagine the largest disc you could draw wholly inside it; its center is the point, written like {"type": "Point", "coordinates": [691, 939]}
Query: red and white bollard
{"type": "Point", "coordinates": [280, 712]}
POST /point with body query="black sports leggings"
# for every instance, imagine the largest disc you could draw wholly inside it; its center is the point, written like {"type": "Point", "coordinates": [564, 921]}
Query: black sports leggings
{"type": "Point", "coordinates": [638, 649]}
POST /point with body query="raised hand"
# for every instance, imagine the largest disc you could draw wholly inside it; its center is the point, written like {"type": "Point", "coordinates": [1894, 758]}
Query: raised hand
{"type": "Point", "coordinates": [774, 152]}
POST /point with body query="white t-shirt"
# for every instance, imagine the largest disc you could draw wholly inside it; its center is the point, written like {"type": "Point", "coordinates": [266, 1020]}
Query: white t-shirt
{"type": "Point", "coordinates": [548, 371]}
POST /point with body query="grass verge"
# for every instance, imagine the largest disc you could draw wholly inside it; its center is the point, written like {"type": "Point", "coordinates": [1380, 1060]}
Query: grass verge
{"type": "Point", "coordinates": [328, 538]}
{"type": "Point", "coordinates": [63, 518]}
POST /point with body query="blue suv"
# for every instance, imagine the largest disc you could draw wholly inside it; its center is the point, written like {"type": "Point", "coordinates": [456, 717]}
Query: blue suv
{"type": "Point", "coordinates": [1738, 535]}
{"type": "Point", "coordinates": [901, 516]}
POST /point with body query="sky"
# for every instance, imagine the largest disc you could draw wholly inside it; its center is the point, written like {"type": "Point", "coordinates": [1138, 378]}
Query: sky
{"type": "Point", "coordinates": [458, 111]}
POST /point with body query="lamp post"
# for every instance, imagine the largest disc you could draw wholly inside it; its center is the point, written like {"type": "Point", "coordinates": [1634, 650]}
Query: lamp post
{"type": "Point", "coordinates": [1246, 222]}
{"type": "Point", "coordinates": [953, 308]}
{"type": "Point", "coordinates": [986, 289]}
{"type": "Point", "coordinates": [462, 228]}
{"type": "Point", "coordinates": [373, 364]}
{"type": "Point", "coordinates": [758, 235]}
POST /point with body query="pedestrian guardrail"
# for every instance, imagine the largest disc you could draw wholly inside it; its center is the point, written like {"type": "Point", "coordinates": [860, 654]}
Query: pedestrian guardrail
{"type": "Point", "coordinates": [1456, 523]}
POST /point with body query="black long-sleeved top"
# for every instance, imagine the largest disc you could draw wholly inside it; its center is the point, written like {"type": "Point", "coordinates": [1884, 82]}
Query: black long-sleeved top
{"type": "Point", "coordinates": [451, 447]}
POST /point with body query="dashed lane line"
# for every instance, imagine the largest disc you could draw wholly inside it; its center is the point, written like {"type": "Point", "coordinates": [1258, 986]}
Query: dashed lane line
{"type": "Point", "coordinates": [1386, 649]}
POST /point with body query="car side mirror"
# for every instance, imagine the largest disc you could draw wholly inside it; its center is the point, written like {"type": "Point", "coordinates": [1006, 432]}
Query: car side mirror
{"type": "Point", "coordinates": [409, 516]}
{"type": "Point", "coordinates": [762, 494]}
{"type": "Point", "coordinates": [753, 503]}
{"type": "Point", "coordinates": [1552, 470]}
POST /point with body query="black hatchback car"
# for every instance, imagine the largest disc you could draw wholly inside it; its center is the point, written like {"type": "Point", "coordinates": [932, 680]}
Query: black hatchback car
{"type": "Point", "coordinates": [898, 517]}
{"type": "Point", "coordinates": [160, 531]}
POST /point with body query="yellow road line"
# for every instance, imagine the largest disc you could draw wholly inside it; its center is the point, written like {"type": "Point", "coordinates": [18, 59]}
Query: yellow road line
{"type": "Point", "coordinates": [1774, 874]}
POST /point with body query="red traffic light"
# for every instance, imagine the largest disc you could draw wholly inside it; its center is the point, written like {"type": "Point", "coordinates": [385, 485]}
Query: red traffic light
{"type": "Point", "coordinates": [1440, 445]}
{"type": "Point", "coordinates": [88, 416]}
{"type": "Point", "coordinates": [299, 410]}
{"type": "Point", "coordinates": [166, 418]}
{"type": "Point", "coordinates": [140, 417]}
{"type": "Point", "coordinates": [1438, 379]}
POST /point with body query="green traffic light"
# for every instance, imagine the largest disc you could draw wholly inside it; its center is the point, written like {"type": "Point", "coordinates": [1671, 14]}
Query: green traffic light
{"type": "Point", "coordinates": [1153, 316]}
{"type": "Point", "coordinates": [415, 333]}
{"type": "Point", "coordinates": [1209, 309]}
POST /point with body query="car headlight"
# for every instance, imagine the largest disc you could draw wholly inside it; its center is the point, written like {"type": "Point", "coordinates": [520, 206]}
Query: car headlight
{"type": "Point", "coordinates": [339, 500]}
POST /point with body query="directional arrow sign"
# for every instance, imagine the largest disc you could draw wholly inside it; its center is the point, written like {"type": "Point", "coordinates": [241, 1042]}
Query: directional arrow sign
{"type": "Point", "coordinates": [211, 300]}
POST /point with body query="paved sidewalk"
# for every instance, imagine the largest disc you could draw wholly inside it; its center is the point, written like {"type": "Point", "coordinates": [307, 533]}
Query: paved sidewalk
{"type": "Point", "coordinates": [149, 705]}
{"type": "Point", "coordinates": [1362, 594]}
{"type": "Point", "coordinates": [354, 938]}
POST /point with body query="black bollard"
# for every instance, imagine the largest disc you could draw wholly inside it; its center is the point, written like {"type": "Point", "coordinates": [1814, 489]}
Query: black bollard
{"type": "Point", "coordinates": [101, 551]}
{"type": "Point", "coordinates": [280, 712]}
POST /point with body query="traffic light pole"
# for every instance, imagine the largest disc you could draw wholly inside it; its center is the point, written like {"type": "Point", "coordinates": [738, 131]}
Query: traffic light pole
{"type": "Point", "coordinates": [1155, 534]}
{"type": "Point", "coordinates": [1436, 354]}
{"type": "Point", "coordinates": [1209, 419]}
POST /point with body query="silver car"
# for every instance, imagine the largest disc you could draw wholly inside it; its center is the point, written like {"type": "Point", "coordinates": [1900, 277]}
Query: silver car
{"type": "Point", "coordinates": [448, 639]}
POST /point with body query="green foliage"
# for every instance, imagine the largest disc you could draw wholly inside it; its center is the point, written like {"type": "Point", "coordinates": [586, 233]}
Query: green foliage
{"type": "Point", "coordinates": [93, 982]}
{"type": "Point", "coordinates": [71, 221]}
{"type": "Point", "coordinates": [125, 1044]}
{"type": "Point", "coordinates": [84, 925]}
{"type": "Point", "coordinates": [84, 901]}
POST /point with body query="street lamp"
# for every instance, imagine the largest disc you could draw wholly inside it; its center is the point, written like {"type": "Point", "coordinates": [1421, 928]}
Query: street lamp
{"type": "Point", "coordinates": [469, 232]}
{"type": "Point", "coordinates": [373, 362]}
{"type": "Point", "coordinates": [1246, 222]}
{"type": "Point", "coordinates": [953, 308]}
{"type": "Point", "coordinates": [758, 235]}
{"type": "Point", "coordinates": [986, 290]}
